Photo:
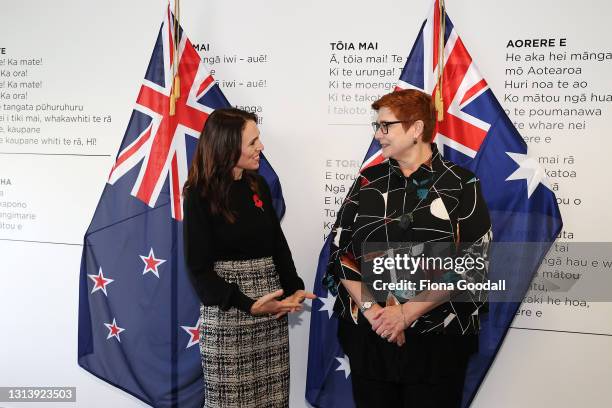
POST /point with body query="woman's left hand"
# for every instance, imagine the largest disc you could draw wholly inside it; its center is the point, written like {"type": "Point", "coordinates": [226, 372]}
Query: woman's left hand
{"type": "Point", "coordinates": [298, 297]}
{"type": "Point", "coordinates": [390, 323]}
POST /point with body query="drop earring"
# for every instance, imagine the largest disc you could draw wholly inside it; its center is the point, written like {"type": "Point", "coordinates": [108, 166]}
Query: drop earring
{"type": "Point", "coordinates": [415, 141]}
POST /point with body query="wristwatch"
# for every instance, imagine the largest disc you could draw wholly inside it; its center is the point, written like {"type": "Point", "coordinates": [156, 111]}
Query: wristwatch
{"type": "Point", "coordinates": [365, 306]}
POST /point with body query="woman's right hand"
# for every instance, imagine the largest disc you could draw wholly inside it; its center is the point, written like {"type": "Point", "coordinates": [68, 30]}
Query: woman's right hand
{"type": "Point", "coordinates": [373, 314]}
{"type": "Point", "coordinates": [269, 304]}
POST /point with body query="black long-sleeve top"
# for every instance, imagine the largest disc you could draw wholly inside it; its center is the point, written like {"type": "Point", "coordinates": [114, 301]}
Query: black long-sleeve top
{"type": "Point", "coordinates": [256, 233]}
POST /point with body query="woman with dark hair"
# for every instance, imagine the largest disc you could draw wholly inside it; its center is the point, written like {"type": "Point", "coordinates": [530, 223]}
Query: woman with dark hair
{"type": "Point", "coordinates": [408, 349]}
{"type": "Point", "coordinates": [240, 266]}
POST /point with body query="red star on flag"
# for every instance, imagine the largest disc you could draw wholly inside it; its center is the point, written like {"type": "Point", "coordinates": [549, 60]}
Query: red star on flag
{"type": "Point", "coordinates": [194, 333]}
{"type": "Point", "coordinates": [151, 263]}
{"type": "Point", "coordinates": [100, 282]}
{"type": "Point", "coordinates": [113, 330]}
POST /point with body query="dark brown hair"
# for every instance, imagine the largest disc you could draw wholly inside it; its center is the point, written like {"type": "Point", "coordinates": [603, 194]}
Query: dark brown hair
{"type": "Point", "coordinates": [216, 155]}
{"type": "Point", "coordinates": [411, 105]}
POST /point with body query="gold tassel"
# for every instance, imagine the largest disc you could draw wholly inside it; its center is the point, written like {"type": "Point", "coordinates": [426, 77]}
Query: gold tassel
{"type": "Point", "coordinates": [175, 93]}
{"type": "Point", "coordinates": [172, 104]}
{"type": "Point", "coordinates": [439, 103]}
{"type": "Point", "coordinates": [438, 99]}
{"type": "Point", "coordinates": [177, 86]}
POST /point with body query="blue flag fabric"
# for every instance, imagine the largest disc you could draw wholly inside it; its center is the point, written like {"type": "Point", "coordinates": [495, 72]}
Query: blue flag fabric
{"type": "Point", "coordinates": [476, 134]}
{"type": "Point", "coordinates": [138, 314]}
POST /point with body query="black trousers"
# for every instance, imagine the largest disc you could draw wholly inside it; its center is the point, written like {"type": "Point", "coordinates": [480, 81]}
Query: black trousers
{"type": "Point", "coordinates": [445, 393]}
{"type": "Point", "coordinates": [426, 372]}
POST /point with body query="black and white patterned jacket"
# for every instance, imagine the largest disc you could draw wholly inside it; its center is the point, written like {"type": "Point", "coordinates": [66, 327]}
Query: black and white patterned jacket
{"type": "Point", "coordinates": [444, 203]}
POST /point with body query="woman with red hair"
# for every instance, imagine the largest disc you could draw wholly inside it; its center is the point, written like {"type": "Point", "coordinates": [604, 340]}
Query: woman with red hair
{"type": "Point", "coordinates": [408, 350]}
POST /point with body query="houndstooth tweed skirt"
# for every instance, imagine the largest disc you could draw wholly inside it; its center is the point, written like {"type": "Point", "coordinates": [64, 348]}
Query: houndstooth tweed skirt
{"type": "Point", "coordinates": [245, 358]}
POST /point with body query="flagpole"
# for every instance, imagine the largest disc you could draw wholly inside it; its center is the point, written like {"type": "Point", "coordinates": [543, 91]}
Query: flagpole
{"type": "Point", "coordinates": [438, 98]}
{"type": "Point", "coordinates": [175, 93]}
{"type": "Point", "coordinates": [174, 316]}
{"type": "Point", "coordinates": [177, 44]}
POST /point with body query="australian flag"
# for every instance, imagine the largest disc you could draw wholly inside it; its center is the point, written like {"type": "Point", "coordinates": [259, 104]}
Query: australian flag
{"type": "Point", "coordinates": [476, 134]}
{"type": "Point", "coordinates": [138, 314]}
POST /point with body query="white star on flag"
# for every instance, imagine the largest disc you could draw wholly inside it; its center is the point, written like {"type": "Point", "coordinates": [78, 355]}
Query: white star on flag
{"type": "Point", "coordinates": [344, 365]}
{"type": "Point", "coordinates": [530, 170]}
{"type": "Point", "coordinates": [194, 333]}
{"type": "Point", "coordinates": [100, 282]}
{"type": "Point", "coordinates": [151, 263]}
{"type": "Point", "coordinates": [328, 304]}
{"type": "Point", "coordinates": [113, 330]}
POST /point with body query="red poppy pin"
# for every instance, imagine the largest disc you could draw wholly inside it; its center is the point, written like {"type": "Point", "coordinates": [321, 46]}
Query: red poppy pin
{"type": "Point", "coordinates": [258, 202]}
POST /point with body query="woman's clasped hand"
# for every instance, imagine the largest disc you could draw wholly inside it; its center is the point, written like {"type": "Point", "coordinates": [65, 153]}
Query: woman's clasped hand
{"type": "Point", "coordinates": [271, 304]}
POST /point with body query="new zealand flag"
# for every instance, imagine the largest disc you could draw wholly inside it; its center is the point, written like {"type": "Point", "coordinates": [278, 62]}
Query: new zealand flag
{"type": "Point", "coordinates": [138, 314]}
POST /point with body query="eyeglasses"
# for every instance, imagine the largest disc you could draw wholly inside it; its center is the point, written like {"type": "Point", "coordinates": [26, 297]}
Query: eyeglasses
{"type": "Point", "coordinates": [384, 126]}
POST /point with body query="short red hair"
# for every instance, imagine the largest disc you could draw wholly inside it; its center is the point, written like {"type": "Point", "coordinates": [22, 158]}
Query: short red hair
{"type": "Point", "coordinates": [411, 105]}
